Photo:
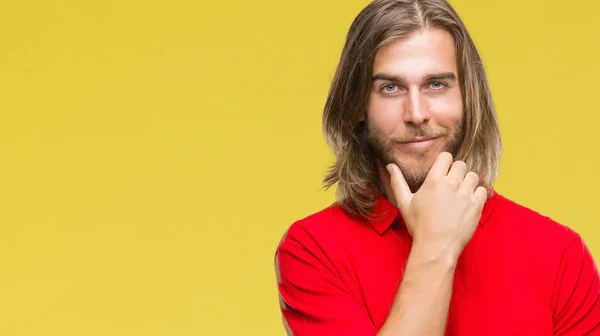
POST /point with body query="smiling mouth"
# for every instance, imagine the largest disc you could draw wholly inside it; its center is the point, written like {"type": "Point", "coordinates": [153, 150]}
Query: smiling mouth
{"type": "Point", "coordinates": [418, 140]}
{"type": "Point", "coordinates": [418, 144]}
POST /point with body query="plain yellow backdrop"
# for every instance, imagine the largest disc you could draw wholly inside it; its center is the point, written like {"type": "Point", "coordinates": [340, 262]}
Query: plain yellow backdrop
{"type": "Point", "coordinates": [153, 152]}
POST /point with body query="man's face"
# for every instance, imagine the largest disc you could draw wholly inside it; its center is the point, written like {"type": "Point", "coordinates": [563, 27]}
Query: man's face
{"type": "Point", "coordinates": [415, 105]}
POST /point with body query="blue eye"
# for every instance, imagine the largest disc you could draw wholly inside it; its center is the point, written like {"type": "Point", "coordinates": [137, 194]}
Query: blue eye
{"type": "Point", "coordinates": [438, 85]}
{"type": "Point", "coordinates": [389, 87]}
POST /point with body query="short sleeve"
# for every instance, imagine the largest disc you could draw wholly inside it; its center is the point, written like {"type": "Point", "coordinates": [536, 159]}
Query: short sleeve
{"type": "Point", "coordinates": [313, 297]}
{"type": "Point", "coordinates": [576, 301]}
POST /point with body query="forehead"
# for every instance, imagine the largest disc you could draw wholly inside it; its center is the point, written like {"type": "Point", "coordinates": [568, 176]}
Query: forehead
{"type": "Point", "coordinates": [428, 51]}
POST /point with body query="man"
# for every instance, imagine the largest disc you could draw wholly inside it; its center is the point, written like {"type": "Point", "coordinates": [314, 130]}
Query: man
{"type": "Point", "coordinates": [419, 243]}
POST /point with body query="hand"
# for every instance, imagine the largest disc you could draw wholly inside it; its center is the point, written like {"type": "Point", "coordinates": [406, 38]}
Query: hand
{"type": "Point", "coordinates": [443, 214]}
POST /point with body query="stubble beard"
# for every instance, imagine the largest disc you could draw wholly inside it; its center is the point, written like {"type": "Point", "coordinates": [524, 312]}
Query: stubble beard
{"type": "Point", "coordinates": [382, 147]}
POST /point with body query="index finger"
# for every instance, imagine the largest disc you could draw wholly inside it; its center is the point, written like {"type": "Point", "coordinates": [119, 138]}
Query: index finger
{"type": "Point", "coordinates": [399, 186]}
{"type": "Point", "coordinates": [441, 165]}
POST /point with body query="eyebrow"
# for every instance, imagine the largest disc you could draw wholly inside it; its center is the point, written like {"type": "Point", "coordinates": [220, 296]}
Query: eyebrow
{"type": "Point", "coordinates": [427, 78]}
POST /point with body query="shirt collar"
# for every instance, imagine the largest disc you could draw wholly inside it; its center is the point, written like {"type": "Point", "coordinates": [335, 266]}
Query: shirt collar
{"type": "Point", "coordinates": [384, 213]}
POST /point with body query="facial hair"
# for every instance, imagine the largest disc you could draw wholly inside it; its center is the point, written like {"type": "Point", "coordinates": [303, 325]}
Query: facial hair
{"type": "Point", "coordinates": [382, 146]}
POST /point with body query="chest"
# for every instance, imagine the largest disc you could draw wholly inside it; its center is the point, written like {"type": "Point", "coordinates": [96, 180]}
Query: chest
{"type": "Point", "coordinates": [493, 293]}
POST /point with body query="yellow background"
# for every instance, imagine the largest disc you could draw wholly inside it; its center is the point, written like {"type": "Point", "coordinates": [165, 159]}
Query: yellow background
{"type": "Point", "coordinates": [152, 153]}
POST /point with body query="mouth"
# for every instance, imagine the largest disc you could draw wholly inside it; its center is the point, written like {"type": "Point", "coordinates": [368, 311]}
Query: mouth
{"type": "Point", "coordinates": [419, 143]}
{"type": "Point", "coordinates": [418, 139]}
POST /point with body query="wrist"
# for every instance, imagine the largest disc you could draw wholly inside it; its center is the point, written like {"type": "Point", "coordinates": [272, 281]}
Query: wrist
{"type": "Point", "coordinates": [435, 254]}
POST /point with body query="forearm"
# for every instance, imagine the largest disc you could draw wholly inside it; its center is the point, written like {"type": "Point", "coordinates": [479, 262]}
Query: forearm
{"type": "Point", "coordinates": [421, 305]}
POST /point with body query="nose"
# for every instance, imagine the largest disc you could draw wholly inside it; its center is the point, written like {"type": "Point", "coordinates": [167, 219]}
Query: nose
{"type": "Point", "coordinates": [415, 109]}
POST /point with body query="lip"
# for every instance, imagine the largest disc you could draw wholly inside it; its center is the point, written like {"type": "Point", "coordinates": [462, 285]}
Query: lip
{"type": "Point", "coordinates": [419, 139]}
{"type": "Point", "coordinates": [419, 143]}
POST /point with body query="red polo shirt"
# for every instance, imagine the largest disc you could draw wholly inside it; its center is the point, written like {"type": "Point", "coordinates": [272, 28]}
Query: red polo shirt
{"type": "Point", "coordinates": [521, 274]}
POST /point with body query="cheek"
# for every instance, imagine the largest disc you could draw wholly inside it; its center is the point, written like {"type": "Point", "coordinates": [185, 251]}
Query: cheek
{"type": "Point", "coordinates": [447, 111]}
{"type": "Point", "coordinates": [384, 114]}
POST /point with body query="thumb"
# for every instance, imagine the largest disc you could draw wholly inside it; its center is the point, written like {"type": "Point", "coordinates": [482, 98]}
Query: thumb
{"type": "Point", "coordinates": [399, 187]}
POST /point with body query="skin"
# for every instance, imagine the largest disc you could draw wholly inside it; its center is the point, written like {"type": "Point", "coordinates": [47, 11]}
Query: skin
{"type": "Point", "coordinates": [415, 95]}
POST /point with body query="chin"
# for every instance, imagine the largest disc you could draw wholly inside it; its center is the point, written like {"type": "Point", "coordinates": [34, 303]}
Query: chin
{"type": "Point", "coordinates": [416, 163]}
{"type": "Point", "coordinates": [419, 157]}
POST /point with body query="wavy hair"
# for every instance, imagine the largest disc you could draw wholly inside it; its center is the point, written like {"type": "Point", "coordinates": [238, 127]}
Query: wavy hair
{"type": "Point", "coordinates": [382, 21]}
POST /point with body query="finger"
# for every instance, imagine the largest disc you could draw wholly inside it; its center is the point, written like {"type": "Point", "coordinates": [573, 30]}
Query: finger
{"type": "Point", "coordinates": [441, 165]}
{"type": "Point", "coordinates": [470, 182]}
{"type": "Point", "coordinates": [400, 187]}
{"type": "Point", "coordinates": [482, 195]}
{"type": "Point", "coordinates": [458, 170]}
{"type": "Point", "coordinates": [479, 198]}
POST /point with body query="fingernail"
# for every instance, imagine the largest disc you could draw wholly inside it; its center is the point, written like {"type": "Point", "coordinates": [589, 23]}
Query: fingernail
{"type": "Point", "coordinates": [389, 168]}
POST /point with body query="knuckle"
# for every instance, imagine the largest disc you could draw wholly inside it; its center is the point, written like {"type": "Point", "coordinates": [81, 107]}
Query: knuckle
{"type": "Point", "coordinates": [435, 179]}
{"type": "Point", "coordinates": [464, 194]}
{"type": "Point", "coordinates": [453, 183]}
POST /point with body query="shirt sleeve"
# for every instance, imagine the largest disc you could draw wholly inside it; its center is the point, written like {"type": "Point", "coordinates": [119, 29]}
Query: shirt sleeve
{"type": "Point", "coordinates": [313, 298]}
{"type": "Point", "coordinates": [576, 302]}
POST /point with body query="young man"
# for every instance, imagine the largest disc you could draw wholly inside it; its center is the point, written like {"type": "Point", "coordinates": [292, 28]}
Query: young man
{"type": "Point", "coordinates": [419, 243]}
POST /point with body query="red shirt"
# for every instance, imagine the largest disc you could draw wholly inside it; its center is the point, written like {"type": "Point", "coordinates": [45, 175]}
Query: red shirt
{"type": "Point", "coordinates": [521, 274]}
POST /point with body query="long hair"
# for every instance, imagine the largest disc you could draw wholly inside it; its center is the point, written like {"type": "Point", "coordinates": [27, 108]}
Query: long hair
{"type": "Point", "coordinates": [381, 22]}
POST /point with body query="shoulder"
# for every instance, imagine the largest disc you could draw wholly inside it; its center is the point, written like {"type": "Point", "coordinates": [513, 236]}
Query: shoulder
{"type": "Point", "coordinates": [314, 248]}
{"type": "Point", "coordinates": [327, 227]}
{"type": "Point", "coordinates": [540, 250]}
{"type": "Point", "coordinates": [551, 262]}
{"type": "Point", "coordinates": [531, 225]}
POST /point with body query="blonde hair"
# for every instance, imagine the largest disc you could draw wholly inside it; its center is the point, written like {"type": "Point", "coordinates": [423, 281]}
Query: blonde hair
{"type": "Point", "coordinates": [380, 22]}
